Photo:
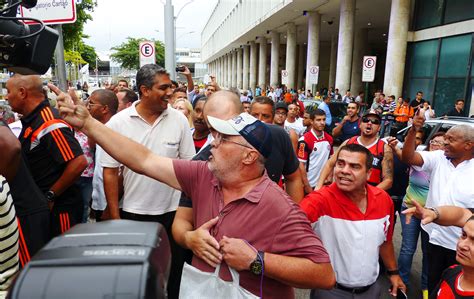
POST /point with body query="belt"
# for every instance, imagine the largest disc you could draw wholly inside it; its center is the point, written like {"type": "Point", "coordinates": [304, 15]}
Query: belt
{"type": "Point", "coordinates": [354, 290]}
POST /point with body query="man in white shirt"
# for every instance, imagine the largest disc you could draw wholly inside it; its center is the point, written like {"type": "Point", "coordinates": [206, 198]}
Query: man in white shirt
{"type": "Point", "coordinates": [293, 122]}
{"type": "Point", "coordinates": [451, 174]}
{"type": "Point", "coordinates": [165, 132]}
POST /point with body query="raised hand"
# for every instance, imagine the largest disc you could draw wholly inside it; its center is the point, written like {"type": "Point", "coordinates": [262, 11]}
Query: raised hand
{"type": "Point", "coordinates": [426, 215]}
{"type": "Point", "coordinates": [75, 115]}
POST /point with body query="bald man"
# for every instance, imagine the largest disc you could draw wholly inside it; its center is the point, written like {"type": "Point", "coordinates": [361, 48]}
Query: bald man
{"type": "Point", "coordinates": [53, 155]}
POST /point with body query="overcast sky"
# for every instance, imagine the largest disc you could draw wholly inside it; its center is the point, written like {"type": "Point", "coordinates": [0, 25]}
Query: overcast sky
{"type": "Point", "coordinates": [114, 21]}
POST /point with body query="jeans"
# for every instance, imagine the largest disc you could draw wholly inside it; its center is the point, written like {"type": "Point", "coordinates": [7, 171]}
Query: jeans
{"type": "Point", "coordinates": [386, 126]}
{"type": "Point", "coordinates": [85, 186]}
{"type": "Point", "coordinates": [410, 233]}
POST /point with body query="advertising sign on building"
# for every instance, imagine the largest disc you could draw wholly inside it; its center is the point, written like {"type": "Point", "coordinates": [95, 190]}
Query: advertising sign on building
{"type": "Point", "coordinates": [368, 68]}
{"type": "Point", "coordinates": [51, 12]}
{"type": "Point", "coordinates": [147, 53]}
{"type": "Point", "coordinates": [284, 77]}
{"type": "Point", "coordinates": [313, 74]}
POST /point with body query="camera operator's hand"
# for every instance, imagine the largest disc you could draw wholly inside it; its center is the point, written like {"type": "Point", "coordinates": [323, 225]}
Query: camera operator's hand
{"type": "Point", "coordinates": [75, 115]}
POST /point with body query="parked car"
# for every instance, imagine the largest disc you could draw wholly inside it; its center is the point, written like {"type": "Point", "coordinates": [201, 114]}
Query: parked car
{"type": "Point", "coordinates": [432, 126]}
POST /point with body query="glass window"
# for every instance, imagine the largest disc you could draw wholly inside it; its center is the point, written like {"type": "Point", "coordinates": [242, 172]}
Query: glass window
{"type": "Point", "coordinates": [454, 56]}
{"type": "Point", "coordinates": [424, 85]}
{"type": "Point", "coordinates": [447, 91]}
{"type": "Point", "coordinates": [424, 58]}
{"type": "Point", "coordinates": [458, 10]}
{"type": "Point", "coordinates": [429, 13]}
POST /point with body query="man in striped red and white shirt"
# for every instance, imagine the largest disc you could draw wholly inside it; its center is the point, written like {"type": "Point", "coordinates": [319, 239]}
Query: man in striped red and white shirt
{"type": "Point", "coordinates": [355, 222]}
{"type": "Point", "coordinates": [53, 155]}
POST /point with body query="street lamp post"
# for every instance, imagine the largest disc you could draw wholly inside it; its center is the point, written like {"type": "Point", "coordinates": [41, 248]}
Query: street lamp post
{"type": "Point", "coordinates": [170, 37]}
{"type": "Point", "coordinates": [170, 59]}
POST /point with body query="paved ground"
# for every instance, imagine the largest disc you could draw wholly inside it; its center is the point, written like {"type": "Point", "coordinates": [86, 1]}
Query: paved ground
{"type": "Point", "coordinates": [415, 288]}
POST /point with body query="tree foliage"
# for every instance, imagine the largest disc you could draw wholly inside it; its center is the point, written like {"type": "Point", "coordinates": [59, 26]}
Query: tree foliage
{"type": "Point", "coordinates": [88, 54]}
{"type": "Point", "coordinates": [73, 35]}
{"type": "Point", "coordinates": [127, 54]}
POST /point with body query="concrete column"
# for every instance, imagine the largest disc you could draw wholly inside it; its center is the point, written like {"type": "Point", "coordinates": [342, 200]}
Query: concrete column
{"type": "Point", "coordinates": [253, 66]}
{"type": "Point", "coordinates": [274, 59]}
{"type": "Point", "coordinates": [229, 70]}
{"type": "Point", "coordinates": [397, 47]}
{"type": "Point", "coordinates": [332, 62]}
{"type": "Point", "coordinates": [301, 66]}
{"type": "Point", "coordinates": [345, 45]}
{"type": "Point", "coordinates": [224, 70]}
{"type": "Point", "coordinates": [291, 54]}
{"type": "Point", "coordinates": [219, 69]}
{"type": "Point", "coordinates": [262, 63]}
{"type": "Point", "coordinates": [314, 33]}
{"type": "Point", "coordinates": [360, 47]}
{"type": "Point", "coordinates": [246, 65]}
{"type": "Point", "coordinates": [239, 68]}
{"type": "Point", "coordinates": [234, 69]}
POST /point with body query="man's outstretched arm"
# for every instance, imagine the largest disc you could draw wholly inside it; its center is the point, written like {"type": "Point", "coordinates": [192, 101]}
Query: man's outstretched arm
{"type": "Point", "coordinates": [143, 161]}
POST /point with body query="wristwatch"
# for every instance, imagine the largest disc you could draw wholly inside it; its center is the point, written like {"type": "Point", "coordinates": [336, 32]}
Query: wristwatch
{"type": "Point", "coordinates": [256, 267]}
{"type": "Point", "coordinates": [435, 210]}
{"type": "Point", "coordinates": [393, 272]}
{"type": "Point", "coordinates": [50, 195]}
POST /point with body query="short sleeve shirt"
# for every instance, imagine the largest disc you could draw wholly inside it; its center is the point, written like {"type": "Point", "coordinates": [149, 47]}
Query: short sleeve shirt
{"type": "Point", "coordinates": [266, 218]}
{"type": "Point", "coordinates": [48, 144]}
{"type": "Point", "coordinates": [314, 151]}
{"type": "Point", "coordinates": [351, 237]}
{"type": "Point", "coordinates": [169, 136]}
{"type": "Point", "coordinates": [449, 186]}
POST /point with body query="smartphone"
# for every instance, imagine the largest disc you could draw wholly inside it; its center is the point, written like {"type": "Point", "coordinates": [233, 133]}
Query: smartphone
{"type": "Point", "coordinates": [401, 294]}
{"type": "Point", "coordinates": [180, 68]}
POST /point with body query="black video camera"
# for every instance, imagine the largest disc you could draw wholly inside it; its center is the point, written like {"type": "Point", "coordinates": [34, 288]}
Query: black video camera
{"type": "Point", "coordinates": [25, 49]}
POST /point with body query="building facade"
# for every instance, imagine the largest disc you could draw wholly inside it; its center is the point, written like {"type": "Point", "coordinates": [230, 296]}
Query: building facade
{"type": "Point", "coordinates": [420, 45]}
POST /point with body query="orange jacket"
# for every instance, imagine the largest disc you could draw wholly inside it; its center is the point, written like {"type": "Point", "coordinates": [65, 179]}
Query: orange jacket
{"type": "Point", "coordinates": [402, 109]}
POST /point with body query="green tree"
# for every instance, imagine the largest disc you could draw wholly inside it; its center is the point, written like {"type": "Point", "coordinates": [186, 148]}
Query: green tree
{"type": "Point", "coordinates": [74, 33]}
{"type": "Point", "coordinates": [128, 56]}
{"type": "Point", "coordinates": [88, 54]}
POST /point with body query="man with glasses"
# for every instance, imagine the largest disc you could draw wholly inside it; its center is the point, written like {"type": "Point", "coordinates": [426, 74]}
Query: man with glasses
{"type": "Point", "coordinates": [381, 174]}
{"type": "Point", "coordinates": [241, 217]}
{"type": "Point", "coordinates": [162, 130]}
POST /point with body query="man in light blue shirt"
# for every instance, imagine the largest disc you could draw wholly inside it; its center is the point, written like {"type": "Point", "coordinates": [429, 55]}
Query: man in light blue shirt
{"type": "Point", "coordinates": [325, 107]}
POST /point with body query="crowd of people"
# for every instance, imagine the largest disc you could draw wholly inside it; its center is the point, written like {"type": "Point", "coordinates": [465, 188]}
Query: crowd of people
{"type": "Point", "coordinates": [250, 179]}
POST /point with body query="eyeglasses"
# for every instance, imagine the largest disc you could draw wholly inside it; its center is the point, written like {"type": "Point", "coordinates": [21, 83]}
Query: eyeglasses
{"type": "Point", "coordinates": [373, 121]}
{"type": "Point", "coordinates": [434, 142]}
{"type": "Point", "coordinates": [90, 104]}
{"type": "Point", "coordinates": [219, 138]}
{"type": "Point", "coordinates": [280, 113]}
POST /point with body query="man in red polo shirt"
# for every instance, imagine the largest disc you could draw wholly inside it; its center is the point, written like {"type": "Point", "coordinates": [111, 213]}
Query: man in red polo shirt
{"type": "Point", "coordinates": [355, 223]}
{"type": "Point", "coordinates": [243, 216]}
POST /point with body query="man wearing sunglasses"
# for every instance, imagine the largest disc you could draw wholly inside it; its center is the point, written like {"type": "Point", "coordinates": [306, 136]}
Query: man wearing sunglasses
{"type": "Point", "coordinates": [247, 218]}
{"type": "Point", "coordinates": [382, 166]}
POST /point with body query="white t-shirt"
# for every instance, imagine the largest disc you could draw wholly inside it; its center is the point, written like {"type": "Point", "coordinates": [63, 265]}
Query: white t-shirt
{"type": "Point", "coordinates": [169, 136]}
{"type": "Point", "coordinates": [451, 186]}
{"type": "Point", "coordinates": [99, 203]}
{"type": "Point", "coordinates": [297, 126]}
